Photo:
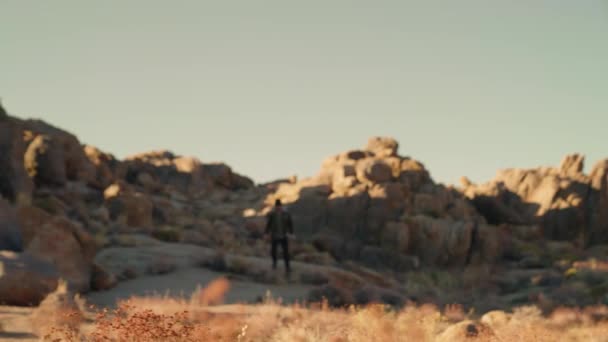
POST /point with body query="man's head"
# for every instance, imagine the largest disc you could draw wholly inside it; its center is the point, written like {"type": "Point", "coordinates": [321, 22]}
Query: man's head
{"type": "Point", "coordinates": [278, 204]}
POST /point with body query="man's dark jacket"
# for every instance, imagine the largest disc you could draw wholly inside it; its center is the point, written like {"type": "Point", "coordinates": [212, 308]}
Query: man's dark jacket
{"type": "Point", "coordinates": [279, 224]}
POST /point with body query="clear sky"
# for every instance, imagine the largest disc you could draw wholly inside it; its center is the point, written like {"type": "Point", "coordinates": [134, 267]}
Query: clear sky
{"type": "Point", "coordinates": [274, 87]}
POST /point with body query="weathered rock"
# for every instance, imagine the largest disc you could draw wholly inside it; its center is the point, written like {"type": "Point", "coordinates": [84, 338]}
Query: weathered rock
{"type": "Point", "coordinates": [429, 204]}
{"type": "Point", "coordinates": [31, 219]}
{"type": "Point", "coordinates": [572, 165]}
{"type": "Point", "coordinates": [186, 174]}
{"type": "Point", "coordinates": [381, 258]}
{"type": "Point", "coordinates": [63, 146]}
{"type": "Point", "coordinates": [396, 236]}
{"type": "Point", "coordinates": [45, 162]}
{"type": "Point", "coordinates": [564, 202]}
{"type": "Point", "coordinates": [129, 207]}
{"type": "Point", "coordinates": [413, 174]}
{"type": "Point", "coordinates": [347, 215]}
{"type": "Point", "coordinates": [3, 113]}
{"type": "Point", "coordinates": [60, 241]}
{"type": "Point", "coordinates": [461, 209]}
{"type": "Point", "coordinates": [597, 207]}
{"type": "Point", "coordinates": [373, 171]}
{"type": "Point", "coordinates": [101, 279]}
{"type": "Point", "coordinates": [256, 226]}
{"type": "Point", "coordinates": [307, 203]}
{"type": "Point", "coordinates": [383, 146]}
{"type": "Point", "coordinates": [10, 233]}
{"type": "Point", "coordinates": [357, 193]}
{"type": "Point", "coordinates": [489, 242]}
{"type": "Point", "coordinates": [222, 175]}
{"type": "Point", "coordinates": [24, 279]}
{"type": "Point", "coordinates": [51, 204]}
{"type": "Point", "coordinates": [440, 241]}
{"type": "Point", "coordinates": [165, 169]}
{"type": "Point", "coordinates": [148, 182]}
{"type": "Point", "coordinates": [104, 164]}
{"type": "Point", "coordinates": [344, 177]}
{"type": "Point", "coordinates": [15, 184]}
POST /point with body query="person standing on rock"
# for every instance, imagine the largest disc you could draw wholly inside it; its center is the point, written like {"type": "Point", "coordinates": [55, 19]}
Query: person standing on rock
{"type": "Point", "coordinates": [278, 227]}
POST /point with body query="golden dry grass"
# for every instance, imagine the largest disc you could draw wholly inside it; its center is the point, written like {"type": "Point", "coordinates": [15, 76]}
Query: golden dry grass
{"type": "Point", "coordinates": [170, 319]}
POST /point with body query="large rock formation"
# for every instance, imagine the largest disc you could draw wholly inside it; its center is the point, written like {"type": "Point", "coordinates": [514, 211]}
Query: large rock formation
{"type": "Point", "coordinates": [381, 208]}
{"type": "Point", "coordinates": [10, 234]}
{"type": "Point", "coordinates": [566, 203]}
{"type": "Point", "coordinates": [25, 280]}
{"type": "Point", "coordinates": [62, 242]}
{"type": "Point", "coordinates": [369, 205]}
{"type": "Point", "coordinates": [127, 206]}
{"type": "Point", "coordinates": [159, 170]}
{"type": "Point", "coordinates": [55, 193]}
{"type": "Point", "coordinates": [55, 156]}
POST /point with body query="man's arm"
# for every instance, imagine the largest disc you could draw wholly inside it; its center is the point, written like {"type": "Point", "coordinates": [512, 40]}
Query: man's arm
{"type": "Point", "coordinates": [268, 223]}
{"type": "Point", "coordinates": [289, 224]}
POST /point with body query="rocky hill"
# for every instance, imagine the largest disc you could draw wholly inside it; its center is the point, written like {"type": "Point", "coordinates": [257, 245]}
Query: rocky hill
{"type": "Point", "coordinates": [61, 200]}
{"type": "Point", "coordinates": [369, 217]}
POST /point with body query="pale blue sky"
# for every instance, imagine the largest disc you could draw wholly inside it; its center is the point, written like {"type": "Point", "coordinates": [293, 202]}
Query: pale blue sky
{"type": "Point", "coordinates": [274, 87]}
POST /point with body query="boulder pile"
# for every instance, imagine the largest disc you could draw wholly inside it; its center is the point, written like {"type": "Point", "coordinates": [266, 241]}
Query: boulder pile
{"type": "Point", "coordinates": [384, 209]}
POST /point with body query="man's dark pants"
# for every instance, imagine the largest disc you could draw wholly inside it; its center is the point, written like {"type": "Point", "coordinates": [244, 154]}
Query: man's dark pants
{"type": "Point", "coordinates": [285, 248]}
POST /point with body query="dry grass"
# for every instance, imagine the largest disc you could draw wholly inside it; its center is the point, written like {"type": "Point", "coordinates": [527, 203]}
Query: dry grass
{"type": "Point", "coordinates": [193, 319]}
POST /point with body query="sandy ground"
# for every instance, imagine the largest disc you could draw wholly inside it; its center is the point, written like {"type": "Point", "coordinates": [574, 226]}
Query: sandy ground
{"type": "Point", "coordinates": [181, 283]}
{"type": "Point", "coordinates": [15, 324]}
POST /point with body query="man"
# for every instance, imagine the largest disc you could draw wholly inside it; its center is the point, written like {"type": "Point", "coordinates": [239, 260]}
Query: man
{"type": "Point", "coordinates": [278, 227]}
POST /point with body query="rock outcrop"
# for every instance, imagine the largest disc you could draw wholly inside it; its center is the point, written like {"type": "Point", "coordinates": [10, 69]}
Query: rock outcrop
{"type": "Point", "coordinates": [62, 242]}
{"type": "Point", "coordinates": [15, 184]}
{"type": "Point", "coordinates": [25, 280]}
{"type": "Point", "coordinates": [566, 203]}
{"type": "Point", "coordinates": [71, 211]}
{"type": "Point", "coordinates": [55, 156]}
{"type": "Point", "coordinates": [158, 170]}
{"type": "Point", "coordinates": [56, 193]}
{"type": "Point", "coordinates": [383, 207]}
{"type": "Point", "coordinates": [10, 233]}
